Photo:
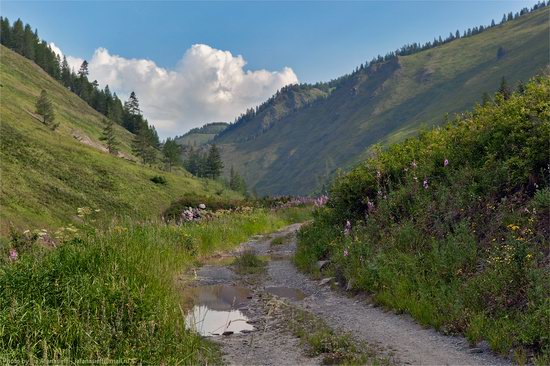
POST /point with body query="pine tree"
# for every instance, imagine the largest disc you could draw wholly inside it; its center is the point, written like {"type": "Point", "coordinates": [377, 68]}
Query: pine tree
{"type": "Point", "coordinates": [45, 109]}
{"type": "Point", "coordinates": [142, 148]}
{"type": "Point", "coordinates": [236, 182]}
{"type": "Point", "coordinates": [108, 136]}
{"type": "Point", "coordinates": [214, 164]}
{"type": "Point", "coordinates": [5, 32]}
{"type": "Point", "coordinates": [171, 151]}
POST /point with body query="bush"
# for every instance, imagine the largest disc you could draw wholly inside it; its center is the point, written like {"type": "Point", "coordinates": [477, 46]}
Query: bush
{"type": "Point", "coordinates": [159, 179]}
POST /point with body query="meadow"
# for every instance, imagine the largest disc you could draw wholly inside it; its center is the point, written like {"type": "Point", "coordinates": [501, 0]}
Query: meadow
{"type": "Point", "coordinates": [113, 294]}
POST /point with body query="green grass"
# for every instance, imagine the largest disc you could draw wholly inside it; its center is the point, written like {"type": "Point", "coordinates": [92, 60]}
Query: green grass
{"type": "Point", "coordinates": [300, 151]}
{"type": "Point", "coordinates": [248, 262]}
{"type": "Point", "coordinates": [468, 252]}
{"type": "Point", "coordinates": [47, 175]}
{"type": "Point", "coordinates": [113, 295]}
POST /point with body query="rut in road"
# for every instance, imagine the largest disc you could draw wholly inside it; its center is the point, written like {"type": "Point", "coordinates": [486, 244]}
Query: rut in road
{"type": "Point", "coordinates": [396, 337]}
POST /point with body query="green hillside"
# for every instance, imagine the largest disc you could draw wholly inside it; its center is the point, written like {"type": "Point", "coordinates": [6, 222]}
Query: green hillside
{"type": "Point", "coordinates": [201, 135]}
{"type": "Point", "coordinates": [47, 175]}
{"type": "Point", "coordinates": [383, 104]}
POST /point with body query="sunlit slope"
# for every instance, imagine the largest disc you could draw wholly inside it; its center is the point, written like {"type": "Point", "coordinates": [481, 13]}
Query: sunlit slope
{"type": "Point", "coordinates": [46, 175]}
{"type": "Point", "coordinates": [386, 105]}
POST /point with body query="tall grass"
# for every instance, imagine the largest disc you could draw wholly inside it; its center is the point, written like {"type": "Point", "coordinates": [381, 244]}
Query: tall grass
{"type": "Point", "coordinates": [113, 295]}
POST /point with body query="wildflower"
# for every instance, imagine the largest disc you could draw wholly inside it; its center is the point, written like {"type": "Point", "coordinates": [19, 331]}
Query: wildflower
{"type": "Point", "coordinates": [13, 255]}
{"type": "Point", "coordinates": [378, 174]}
{"type": "Point", "coordinates": [370, 205]}
{"type": "Point", "coordinates": [405, 170]}
{"type": "Point", "coordinates": [379, 193]}
{"type": "Point", "coordinates": [347, 228]}
{"type": "Point", "coordinates": [413, 164]}
{"type": "Point", "coordinates": [425, 183]}
{"type": "Point", "coordinates": [445, 162]}
{"type": "Point", "coordinates": [346, 253]}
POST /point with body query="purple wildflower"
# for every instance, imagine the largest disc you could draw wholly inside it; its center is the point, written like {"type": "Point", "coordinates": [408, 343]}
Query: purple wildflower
{"type": "Point", "coordinates": [425, 183]}
{"type": "Point", "coordinates": [445, 162]}
{"type": "Point", "coordinates": [413, 164]}
{"type": "Point", "coordinates": [370, 205]}
{"type": "Point", "coordinates": [347, 228]}
{"type": "Point", "coordinates": [13, 255]}
{"type": "Point", "coordinates": [346, 253]}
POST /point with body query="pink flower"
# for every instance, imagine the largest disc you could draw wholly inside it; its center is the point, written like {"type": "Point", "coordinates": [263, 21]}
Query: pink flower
{"type": "Point", "coordinates": [13, 255]}
{"type": "Point", "coordinates": [445, 162]}
{"type": "Point", "coordinates": [346, 253]}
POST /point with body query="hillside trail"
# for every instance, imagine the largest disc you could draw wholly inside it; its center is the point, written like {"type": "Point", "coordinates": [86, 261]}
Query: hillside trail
{"type": "Point", "coordinates": [264, 338]}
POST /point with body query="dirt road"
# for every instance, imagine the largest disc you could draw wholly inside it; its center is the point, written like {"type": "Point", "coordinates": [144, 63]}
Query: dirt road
{"type": "Point", "coordinates": [396, 337]}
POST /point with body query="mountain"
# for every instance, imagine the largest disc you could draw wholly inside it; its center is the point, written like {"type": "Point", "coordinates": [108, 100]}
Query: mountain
{"type": "Point", "coordinates": [201, 135]}
{"type": "Point", "coordinates": [47, 175]}
{"type": "Point", "coordinates": [299, 137]}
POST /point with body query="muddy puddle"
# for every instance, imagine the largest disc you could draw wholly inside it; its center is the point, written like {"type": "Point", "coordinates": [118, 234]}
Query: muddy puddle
{"type": "Point", "coordinates": [287, 293]}
{"type": "Point", "coordinates": [216, 309]}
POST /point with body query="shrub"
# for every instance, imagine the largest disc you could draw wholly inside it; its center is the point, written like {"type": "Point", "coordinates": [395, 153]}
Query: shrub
{"type": "Point", "coordinates": [159, 179]}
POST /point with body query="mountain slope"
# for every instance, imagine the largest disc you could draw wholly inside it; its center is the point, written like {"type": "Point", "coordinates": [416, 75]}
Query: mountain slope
{"type": "Point", "coordinates": [383, 104]}
{"type": "Point", "coordinates": [46, 175]}
{"type": "Point", "coordinates": [201, 135]}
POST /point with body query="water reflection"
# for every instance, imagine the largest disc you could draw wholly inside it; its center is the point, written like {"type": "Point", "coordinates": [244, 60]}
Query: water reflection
{"type": "Point", "coordinates": [216, 309]}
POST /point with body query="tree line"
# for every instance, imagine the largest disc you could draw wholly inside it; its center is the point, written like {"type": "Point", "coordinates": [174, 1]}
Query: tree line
{"type": "Point", "coordinates": [405, 50]}
{"type": "Point", "coordinates": [26, 42]}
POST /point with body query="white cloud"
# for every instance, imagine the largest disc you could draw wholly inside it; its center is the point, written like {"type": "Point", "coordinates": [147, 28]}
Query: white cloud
{"type": "Point", "coordinates": [207, 85]}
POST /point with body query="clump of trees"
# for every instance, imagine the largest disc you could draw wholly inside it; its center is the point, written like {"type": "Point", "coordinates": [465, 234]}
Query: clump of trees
{"type": "Point", "coordinates": [209, 165]}
{"type": "Point", "coordinates": [44, 108]}
{"type": "Point", "coordinates": [23, 40]}
{"type": "Point", "coordinates": [236, 182]}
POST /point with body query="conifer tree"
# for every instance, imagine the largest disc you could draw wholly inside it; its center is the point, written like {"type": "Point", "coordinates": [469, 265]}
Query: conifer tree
{"type": "Point", "coordinates": [142, 148]}
{"type": "Point", "coordinates": [214, 164]}
{"type": "Point", "coordinates": [44, 108]}
{"type": "Point", "coordinates": [108, 136]}
{"type": "Point", "coordinates": [171, 153]}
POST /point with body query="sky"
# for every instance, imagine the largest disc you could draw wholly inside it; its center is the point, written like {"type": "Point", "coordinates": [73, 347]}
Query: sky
{"type": "Point", "coordinates": [192, 63]}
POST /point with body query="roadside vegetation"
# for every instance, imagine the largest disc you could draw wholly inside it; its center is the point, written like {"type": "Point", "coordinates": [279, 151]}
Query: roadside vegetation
{"type": "Point", "coordinates": [452, 227]}
{"type": "Point", "coordinates": [111, 294]}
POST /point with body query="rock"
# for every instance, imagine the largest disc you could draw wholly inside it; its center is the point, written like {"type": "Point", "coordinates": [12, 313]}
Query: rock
{"type": "Point", "coordinates": [322, 264]}
{"type": "Point", "coordinates": [227, 333]}
{"type": "Point", "coordinates": [325, 281]}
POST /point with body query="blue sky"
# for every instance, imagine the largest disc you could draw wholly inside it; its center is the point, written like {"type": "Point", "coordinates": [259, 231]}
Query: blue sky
{"type": "Point", "coordinates": [318, 40]}
{"type": "Point", "coordinates": [182, 58]}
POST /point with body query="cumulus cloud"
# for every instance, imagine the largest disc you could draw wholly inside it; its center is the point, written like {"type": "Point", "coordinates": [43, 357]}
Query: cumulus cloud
{"type": "Point", "coordinates": [206, 85]}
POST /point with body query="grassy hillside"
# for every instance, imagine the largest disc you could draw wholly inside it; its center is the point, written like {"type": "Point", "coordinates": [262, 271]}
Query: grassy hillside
{"type": "Point", "coordinates": [452, 227]}
{"type": "Point", "coordinates": [46, 175]}
{"type": "Point", "coordinates": [202, 135]}
{"type": "Point", "coordinates": [384, 105]}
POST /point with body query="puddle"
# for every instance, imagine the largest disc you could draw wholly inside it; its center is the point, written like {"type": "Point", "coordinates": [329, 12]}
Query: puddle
{"type": "Point", "coordinates": [216, 309]}
{"type": "Point", "coordinates": [287, 292]}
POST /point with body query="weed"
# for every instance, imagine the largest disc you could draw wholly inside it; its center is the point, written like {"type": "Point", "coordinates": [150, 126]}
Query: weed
{"type": "Point", "coordinates": [248, 262]}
